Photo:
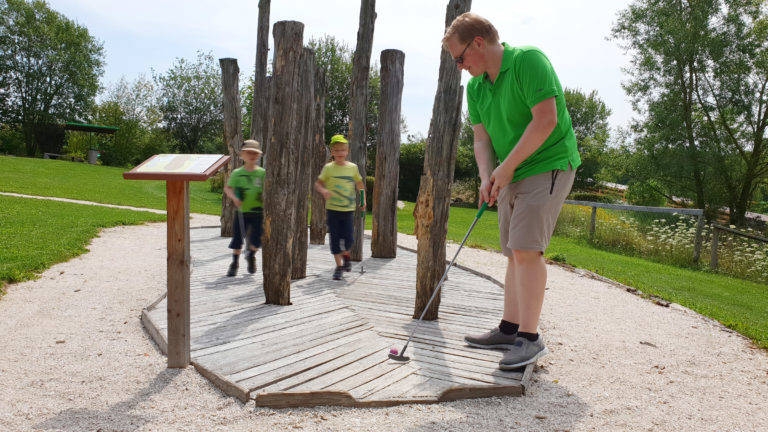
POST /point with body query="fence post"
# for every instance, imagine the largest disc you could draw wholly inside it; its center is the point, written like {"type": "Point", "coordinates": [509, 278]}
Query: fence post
{"type": "Point", "coordinates": [697, 239]}
{"type": "Point", "coordinates": [713, 257]}
{"type": "Point", "coordinates": [592, 224]}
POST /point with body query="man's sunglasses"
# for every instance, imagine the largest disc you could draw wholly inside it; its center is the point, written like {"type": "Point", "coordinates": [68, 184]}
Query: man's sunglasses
{"type": "Point", "coordinates": [460, 59]}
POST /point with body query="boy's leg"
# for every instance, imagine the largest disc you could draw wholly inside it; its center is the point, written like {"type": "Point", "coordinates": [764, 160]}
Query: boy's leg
{"type": "Point", "coordinates": [335, 233]}
{"type": "Point", "coordinates": [349, 240]}
{"type": "Point", "coordinates": [254, 227]}
{"type": "Point", "coordinates": [235, 244]}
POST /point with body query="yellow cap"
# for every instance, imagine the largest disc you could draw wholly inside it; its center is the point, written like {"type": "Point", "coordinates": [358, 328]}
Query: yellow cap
{"type": "Point", "coordinates": [338, 139]}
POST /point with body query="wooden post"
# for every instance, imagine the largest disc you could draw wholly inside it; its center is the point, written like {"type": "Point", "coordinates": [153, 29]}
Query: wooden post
{"type": "Point", "coordinates": [713, 256]}
{"type": "Point", "coordinates": [384, 223]}
{"type": "Point", "coordinates": [233, 135]}
{"type": "Point", "coordinates": [433, 203]}
{"type": "Point", "coordinates": [306, 107]}
{"type": "Point", "coordinates": [177, 205]}
{"type": "Point", "coordinates": [280, 181]}
{"type": "Point", "coordinates": [320, 155]}
{"type": "Point", "coordinates": [358, 107]}
{"type": "Point", "coordinates": [592, 222]}
{"type": "Point", "coordinates": [260, 89]}
{"type": "Point", "coordinates": [697, 239]}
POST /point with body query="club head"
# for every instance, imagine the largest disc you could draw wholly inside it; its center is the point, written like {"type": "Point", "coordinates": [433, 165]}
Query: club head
{"type": "Point", "coordinates": [400, 358]}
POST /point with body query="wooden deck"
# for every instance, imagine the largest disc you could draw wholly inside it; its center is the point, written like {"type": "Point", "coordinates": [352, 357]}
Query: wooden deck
{"type": "Point", "coordinates": [330, 346]}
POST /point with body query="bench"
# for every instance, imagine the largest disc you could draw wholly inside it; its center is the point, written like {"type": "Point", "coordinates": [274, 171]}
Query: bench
{"type": "Point", "coordinates": [61, 156]}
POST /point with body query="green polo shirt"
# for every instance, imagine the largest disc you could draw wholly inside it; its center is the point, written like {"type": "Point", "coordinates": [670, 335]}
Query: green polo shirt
{"type": "Point", "coordinates": [248, 186]}
{"type": "Point", "coordinates": [504, 108]}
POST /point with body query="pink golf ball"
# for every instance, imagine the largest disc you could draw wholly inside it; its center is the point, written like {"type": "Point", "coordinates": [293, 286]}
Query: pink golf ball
{"type": "Point", "coordinates": [393, 351]}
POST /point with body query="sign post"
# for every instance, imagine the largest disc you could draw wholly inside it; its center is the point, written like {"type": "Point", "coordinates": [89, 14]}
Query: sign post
{"type": "Point", "coordinates": [178, 170]}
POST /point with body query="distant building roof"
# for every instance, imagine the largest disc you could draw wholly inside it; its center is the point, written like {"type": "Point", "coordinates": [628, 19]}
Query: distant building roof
{"type": "Point", "coordinates": [82, 127]}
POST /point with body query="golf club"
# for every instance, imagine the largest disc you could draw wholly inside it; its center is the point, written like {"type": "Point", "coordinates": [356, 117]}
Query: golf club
{"type": "Point", "coordinates": [362, 210]}
{"type": "Point", "coordinates": [393, 354]}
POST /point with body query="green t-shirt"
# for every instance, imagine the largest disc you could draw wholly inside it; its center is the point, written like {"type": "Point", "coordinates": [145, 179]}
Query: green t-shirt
{"type": "Point", "coordinates": [248, 187]}
{"type": "Point", "coordinates": [340, 180]}
{"type": "Point", "coordinates": [504, 108]}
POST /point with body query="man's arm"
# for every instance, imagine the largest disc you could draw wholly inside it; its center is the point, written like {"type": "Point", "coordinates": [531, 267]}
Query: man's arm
{"type": "Point", "coordinates": [485, 157]}
{"type": "Point", "coordinates": [541, 126]}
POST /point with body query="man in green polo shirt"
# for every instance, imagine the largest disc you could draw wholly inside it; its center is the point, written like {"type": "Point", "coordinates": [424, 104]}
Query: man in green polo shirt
{"type": "Point", "coordinates": [518, 114]}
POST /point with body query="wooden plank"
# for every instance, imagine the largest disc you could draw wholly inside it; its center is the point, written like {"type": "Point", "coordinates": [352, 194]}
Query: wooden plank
{"type": "Point", "coordinates": [345, 372]}
{"type": "Point", "coordinates": [393, 376]}
{"type": "Point", "coordinates": [276, 371]}
{"type": "Point", "coordinates": [339, 356]}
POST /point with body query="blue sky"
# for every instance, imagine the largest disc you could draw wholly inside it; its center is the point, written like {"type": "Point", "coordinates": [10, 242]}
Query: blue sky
{"type": "Point", "coordinates": [141, 35]}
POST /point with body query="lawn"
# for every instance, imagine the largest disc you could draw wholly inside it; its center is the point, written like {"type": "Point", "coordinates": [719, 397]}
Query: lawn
{"type": "Point", "coordinates": [63, 179]}
{"type": "Point", "coordinates": [36, 234]}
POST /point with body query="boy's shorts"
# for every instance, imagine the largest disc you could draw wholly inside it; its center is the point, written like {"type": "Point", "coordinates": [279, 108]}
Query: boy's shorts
{"type": "Point", "coordinates": [341, 227]}
{"type": "Point", "coordinates": [253, 227]}
{"type": "Point", "coordinates": [528, 210]}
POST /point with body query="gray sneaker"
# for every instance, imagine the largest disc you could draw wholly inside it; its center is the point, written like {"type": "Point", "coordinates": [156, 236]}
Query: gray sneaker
{"type": "Point", "coordinates": [492, 339]}
{"type": "Point", "coordinates": [522, 353]}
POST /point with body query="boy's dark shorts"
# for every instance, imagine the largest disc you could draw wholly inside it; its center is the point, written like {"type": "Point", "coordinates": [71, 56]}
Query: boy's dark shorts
{"type": "Point", "coordinates": [341, 226]}
{"type": "Point", "coordinates": [253, 226]}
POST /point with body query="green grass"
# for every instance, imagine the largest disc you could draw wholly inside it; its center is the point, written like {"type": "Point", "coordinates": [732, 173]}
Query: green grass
{"type": "Point", "coordinates": [36, 234]}
{"type": "Point", "coordinates": [63, 179]}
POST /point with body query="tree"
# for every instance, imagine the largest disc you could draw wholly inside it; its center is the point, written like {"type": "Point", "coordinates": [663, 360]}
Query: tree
{"type": "Point", "coordinates": [49, 68]}
{"type": "Point", "coordinates": [589, 117]}
{"type": "Point", "coordinates": [190, 100]}
{"type": "Point", "coordinates": [466, 164]}
{"type": "Point", "coordinates": [335, 59]}
{"type": "Point", "coordinates": [699, 76]}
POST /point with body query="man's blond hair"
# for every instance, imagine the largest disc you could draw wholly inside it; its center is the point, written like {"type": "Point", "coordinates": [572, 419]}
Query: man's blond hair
{"type": "Point", "coordinates": [468, 25]}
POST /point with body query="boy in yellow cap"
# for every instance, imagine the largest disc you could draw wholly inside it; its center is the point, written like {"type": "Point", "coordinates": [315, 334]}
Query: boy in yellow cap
{"type": "Point", "coordinates": [339, 182]}
{"type": "Point", "coordinates": [244, 189]}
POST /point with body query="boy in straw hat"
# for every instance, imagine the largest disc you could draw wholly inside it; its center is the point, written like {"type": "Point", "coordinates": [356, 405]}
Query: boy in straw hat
{"type": "Point", "coordinates": [244, 189]}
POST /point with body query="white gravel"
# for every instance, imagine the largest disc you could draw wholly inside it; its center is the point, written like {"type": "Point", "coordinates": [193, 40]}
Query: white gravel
{"type": "Point", "coordinates": [74, 357]}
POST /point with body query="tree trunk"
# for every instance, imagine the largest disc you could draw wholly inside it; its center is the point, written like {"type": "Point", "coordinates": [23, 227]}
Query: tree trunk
{"type": "Point", "coordinates": [432, 205]}
{"type": "Point", "coordinates": [280, 182]}
{"type": "Point", "coordinates": [233, 135]}
{"type": "Point", "coordinates": [306, 107]}
{"type": "Point", "coordinates": [358, 106]}
{"type": "Point", "coordinates": [384, 238]}
{"type": "Point", "coordinates": [260, 95]}
{"type": "Point", "coordinates": [320, 155]}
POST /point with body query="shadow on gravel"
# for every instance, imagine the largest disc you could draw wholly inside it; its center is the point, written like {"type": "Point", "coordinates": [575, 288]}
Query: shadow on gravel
{"type": "Point", "coordinates": [116, 417]}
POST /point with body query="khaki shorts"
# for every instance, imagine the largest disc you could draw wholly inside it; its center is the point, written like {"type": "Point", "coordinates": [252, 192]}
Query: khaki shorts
{"type": "Point", "coordinates": [528, 210]}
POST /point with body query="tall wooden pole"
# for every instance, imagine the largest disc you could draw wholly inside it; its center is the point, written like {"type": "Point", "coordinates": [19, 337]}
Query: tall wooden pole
{"type": "Point", "coordinates": [433, 203]}
{"type": "Point", "coordinates": [260, 90]}
{"type": "Point", "coordinates": [358, 106]}
{"type": "Point", "coordinates": [233, 135]}
{"type": "Point", "coordinates": [320, 155]}
{"type": "Point", "coordinates": [384, 233]}
{"type": "Point", "coordinates": [305, 139]}
{"type": "Point", "coordinates": [280, 181]}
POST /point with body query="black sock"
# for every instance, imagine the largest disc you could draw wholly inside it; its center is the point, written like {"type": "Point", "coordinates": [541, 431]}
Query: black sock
{"type": "Point", "coordinates": [250, 253]}
{"type": "Point", "coordinates": [235, 257]}
{"type": "Point", "coordinates": [530, 336]}
{"type": "Point", "coordinates": [508, 328]}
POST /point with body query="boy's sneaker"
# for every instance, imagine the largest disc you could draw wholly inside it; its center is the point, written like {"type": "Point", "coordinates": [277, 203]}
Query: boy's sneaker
{"type": "Point", "coordinates": [522, 353]}
{"type": "Point", "coordinates": [337, 273]}
{"type": "Point", "coordinates": [232, 269]}
{"type": "Point", "coordinates": [493, 339]}
{"type": "Point", "coordinates": [251, 259]}
{"type": "Point", "coordinates": [347, 263]}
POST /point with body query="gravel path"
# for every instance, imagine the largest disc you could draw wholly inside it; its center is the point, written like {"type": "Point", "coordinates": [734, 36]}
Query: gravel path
{"type": "Point", "coordinates": [75, 357]}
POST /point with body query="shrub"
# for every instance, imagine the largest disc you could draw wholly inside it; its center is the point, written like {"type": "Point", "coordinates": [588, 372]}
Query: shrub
{"type": "Point", "coordinates": [645, 194]}
{"type": "Point", "coordinates": [591, 197]}
{"type": "Point", "coordinates": [411, 168]}
{"type": "Point", "coordinates": [216, 183]}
